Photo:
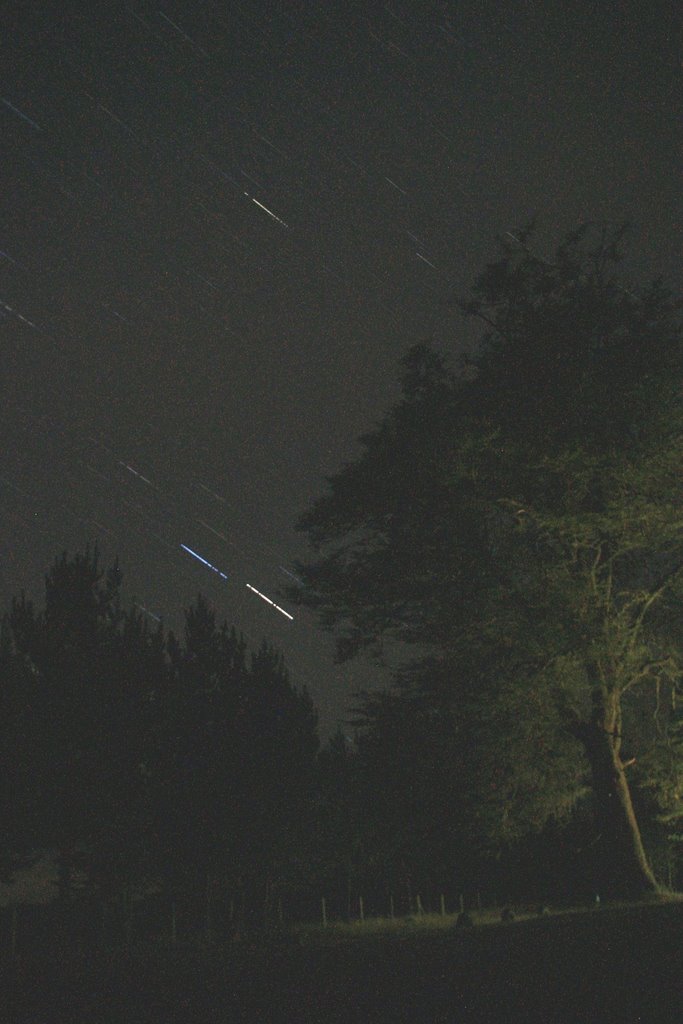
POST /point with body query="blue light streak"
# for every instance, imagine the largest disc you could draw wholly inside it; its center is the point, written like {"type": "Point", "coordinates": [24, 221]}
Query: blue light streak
{"type": "Point", "coordinates": [22, 115]}
{"type": "Point", "coordinates": [203, 561]}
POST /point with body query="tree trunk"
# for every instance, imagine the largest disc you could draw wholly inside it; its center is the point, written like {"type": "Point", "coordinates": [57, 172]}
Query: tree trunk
{"type": "Point", "coordinates": [624, 871]}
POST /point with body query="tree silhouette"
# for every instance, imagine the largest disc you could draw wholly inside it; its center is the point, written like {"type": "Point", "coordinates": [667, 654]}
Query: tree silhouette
{"type": "Point", "coordinates": [517, 521]}
{"type": "Point", "coordinates": [137, 756]}
{"type": "Point", "coordinates": [80, 694]}
{"type": "Point", "coordinates": [236, 751]}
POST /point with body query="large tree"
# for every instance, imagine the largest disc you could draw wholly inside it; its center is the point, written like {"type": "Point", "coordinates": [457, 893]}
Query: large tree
{"type": "Point", "coordinates": [516, 519]}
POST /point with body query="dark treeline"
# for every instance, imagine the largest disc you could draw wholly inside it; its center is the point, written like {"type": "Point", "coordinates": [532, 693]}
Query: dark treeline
{"type": "Point", "coordinates": [143, 759]}
{"type": "Point", "coordinates": [150, 763]}
{"type": "Point", "coordinates": [514, 523]}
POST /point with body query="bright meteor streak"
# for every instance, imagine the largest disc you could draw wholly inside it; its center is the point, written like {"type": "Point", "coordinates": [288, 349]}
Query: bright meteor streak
{"type": "Point", "coordinates": [267, 599]}
{"type": "Point", "coordinates": [269, 212]}
{"type": "Point", "coordinates": [203, 561]}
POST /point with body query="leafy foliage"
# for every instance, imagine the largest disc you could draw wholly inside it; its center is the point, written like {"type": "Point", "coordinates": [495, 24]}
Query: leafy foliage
{"type": "Point", "coordinates": [519, 525]}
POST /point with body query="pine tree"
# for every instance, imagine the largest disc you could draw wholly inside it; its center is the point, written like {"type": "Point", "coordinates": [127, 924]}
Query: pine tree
{"type": "Point", "coordinates": [81, 701]}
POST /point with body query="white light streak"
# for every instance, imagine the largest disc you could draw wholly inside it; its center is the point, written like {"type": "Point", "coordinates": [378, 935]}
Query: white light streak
{"type": "Point", "coordinates": [425, 260]}
{"type": "Point", "coordinates": [269, 212]}
{"type": "Point", "coordinates": [218, 170]}
{"type": "Point", "coordinates": [118, 120]}
{"type": "Point", "coordinates": [183, 34]}
{"type": "Point", "coordinates": [216, 533]}
{"type": "Point", "coordinates": [268, 601]}
{"type": "Point", "coordinates": [95, 472]}
{"type": "Point", "coordinates": [206, 281]}
{"type": "Point", "coordinates": [212, 493]}
{"type": "Point", "coordinates": [252, 180]}
{"type": "Point", "coordinates": [99, 444]}
{"type": "Point", "coordinates": [288, 573]}
{"type": "Point", "coordinates": [148, 612]}
{"type": "Point", "coordinates": [401, 190]}
{"type": "Point", "coordinates": [100, 527]}
{"type": "Point", "coordinates": [203, 561]}
{"type": "Point", "coordinates": [18, 315]}
{"type": "Point", "coordinates": [393, 46]}
{"type": "Point", "coordinates": [535, 255]}
{"type": "Point", "coordinates": [269, 143]}
{"type": "Point", "coordinates": [417, 240]}
{"type": "Point", "coordinates": [135, 473]}
{"type": "Point", "coordinates": [6, 256]}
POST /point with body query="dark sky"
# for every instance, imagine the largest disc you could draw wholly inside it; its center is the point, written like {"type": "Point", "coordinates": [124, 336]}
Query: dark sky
{"type": "Point", "coordinates": [222, 226]}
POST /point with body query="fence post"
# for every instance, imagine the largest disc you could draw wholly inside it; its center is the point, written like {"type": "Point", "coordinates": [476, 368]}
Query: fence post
{"type": "Point", "coordinates": [323, 906]}
{"type": "Point", "coordinates": [391, 905]}
{"type": "Point", "coordinates": [420, 908]}
{"type": "Point", "coordinates": [361, 909]}
{"type": "Point", "coordinates": [443, 905]}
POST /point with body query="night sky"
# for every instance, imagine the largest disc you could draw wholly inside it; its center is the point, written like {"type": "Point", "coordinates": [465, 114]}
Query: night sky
{"type": "Point", "coordinates": [223, 224]}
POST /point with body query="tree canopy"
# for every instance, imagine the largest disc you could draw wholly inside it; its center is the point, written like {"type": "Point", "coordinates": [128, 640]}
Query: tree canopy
{"type": "Point", "coordinates": [516, 521]}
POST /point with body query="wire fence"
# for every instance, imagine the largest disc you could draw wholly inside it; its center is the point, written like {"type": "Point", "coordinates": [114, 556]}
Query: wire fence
{"type": "Point", "coordinates": [89, 923]}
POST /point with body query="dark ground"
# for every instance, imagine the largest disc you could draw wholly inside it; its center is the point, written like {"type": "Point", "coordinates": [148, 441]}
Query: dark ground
{"type": "Point", "coordinates": [607, 965]}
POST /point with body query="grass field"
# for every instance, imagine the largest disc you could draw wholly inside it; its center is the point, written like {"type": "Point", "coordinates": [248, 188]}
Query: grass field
{"type": "Point", "coordinates": [616, 964]}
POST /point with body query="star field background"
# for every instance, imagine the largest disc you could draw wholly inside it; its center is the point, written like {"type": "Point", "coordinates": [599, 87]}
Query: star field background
{"type": "Point", "coordinates": [222, 226]}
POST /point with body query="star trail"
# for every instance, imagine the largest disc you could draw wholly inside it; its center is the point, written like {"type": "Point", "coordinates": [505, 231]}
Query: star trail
{"type": "Point", "coordinates": [224, 224]}
{"type": "Point", "coordinates": [199, 558]}
{"type": "Point", "coordinates": [268, 601]}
